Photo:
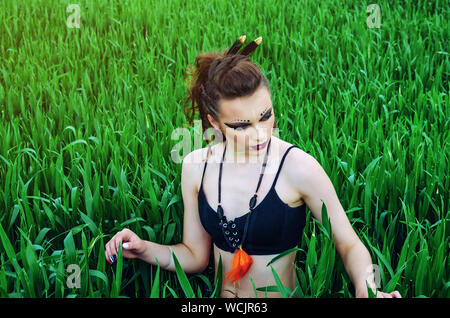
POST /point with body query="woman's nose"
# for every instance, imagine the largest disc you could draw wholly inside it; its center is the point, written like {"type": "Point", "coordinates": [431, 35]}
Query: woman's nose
{"type": "Point", "coordinates": [258, 134]}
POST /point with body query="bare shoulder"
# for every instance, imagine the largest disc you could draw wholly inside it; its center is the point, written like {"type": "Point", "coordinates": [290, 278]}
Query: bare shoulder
{"type": "Point", "coordinates": [193, 164]}
{"type": "Point", "coordinates": [295, 156]}
{"type": "Point", "coordinates": [299, 164]}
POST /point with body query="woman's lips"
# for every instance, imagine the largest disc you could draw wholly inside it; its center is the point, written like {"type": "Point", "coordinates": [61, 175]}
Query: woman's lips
{"type": "Point", "coordinates": [260, 146]}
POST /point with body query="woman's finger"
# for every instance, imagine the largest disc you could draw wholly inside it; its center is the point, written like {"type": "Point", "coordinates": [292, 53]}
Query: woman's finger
{"type": "Point", "coordinates": [127, 245]}
{"type": "Point", "coordinates": [107, 257]}
{"type": "Point", "coordinates": [396, 294]}
{"type": "Point", "coordinates": [113, 244]}
{"type": "Point", "coordinates": [112, 247]}
{"type": "Point", "coordinates": [122, 236]}
{"type": "Point", "coordinates": [117, 242]}
{"type": "Point", "coordinates": [108, 251]}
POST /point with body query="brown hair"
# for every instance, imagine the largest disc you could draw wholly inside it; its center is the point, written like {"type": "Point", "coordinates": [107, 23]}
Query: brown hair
{"type": "Point", "coordinates": [219, 76]}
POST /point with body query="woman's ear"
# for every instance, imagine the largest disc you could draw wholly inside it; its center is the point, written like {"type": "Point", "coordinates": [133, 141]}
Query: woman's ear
{"type": "Point", "coordinates": [213, 123]}
{"type": "Point", "coordinates": [218, 133]}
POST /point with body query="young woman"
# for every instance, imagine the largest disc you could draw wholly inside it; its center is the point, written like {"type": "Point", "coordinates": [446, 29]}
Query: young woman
{"type": "Point", "coordinates": [248, 192]}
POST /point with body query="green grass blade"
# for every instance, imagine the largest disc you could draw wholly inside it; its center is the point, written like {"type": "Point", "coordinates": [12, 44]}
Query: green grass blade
{"type": "Point", "coordinates": [218, 285]}
{"type": "Point", "coordinates": [155, 287]}
{"type": "Point", "coordinates": [182, 279]}
{"type": "Point", "coordinates": [295, 249]}
{"type": "Point", "coordinates": [281, 287]}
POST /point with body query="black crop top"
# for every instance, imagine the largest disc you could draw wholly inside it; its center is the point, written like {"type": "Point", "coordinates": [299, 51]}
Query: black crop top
{"type": "Point", "coordinates": [274, 226]}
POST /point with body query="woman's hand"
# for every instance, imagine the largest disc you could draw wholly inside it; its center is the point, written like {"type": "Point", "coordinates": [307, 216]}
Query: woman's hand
{"type": "Point", "coordinates": [132, 246]}
{"type": "Point", "coordinates": [379, 294]}
{"type": "Point", "coordinates": [394, 294]}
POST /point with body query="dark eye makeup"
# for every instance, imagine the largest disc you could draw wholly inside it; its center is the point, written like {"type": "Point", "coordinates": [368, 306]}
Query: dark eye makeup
{"type": "Point", "coordinates": [266, 117]}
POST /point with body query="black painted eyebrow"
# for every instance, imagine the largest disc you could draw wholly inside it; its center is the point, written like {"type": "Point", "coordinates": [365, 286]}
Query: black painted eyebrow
{"type": "Point", "coordinates": [247, 124]}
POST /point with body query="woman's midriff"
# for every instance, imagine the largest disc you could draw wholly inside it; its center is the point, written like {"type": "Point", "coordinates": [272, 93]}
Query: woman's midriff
{"type": "Point", "coordinates": [260, 274]}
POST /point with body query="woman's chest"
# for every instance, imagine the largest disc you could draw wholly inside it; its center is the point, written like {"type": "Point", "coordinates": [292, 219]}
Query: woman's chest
{"type": "Point", "coordinates": [237, 189]}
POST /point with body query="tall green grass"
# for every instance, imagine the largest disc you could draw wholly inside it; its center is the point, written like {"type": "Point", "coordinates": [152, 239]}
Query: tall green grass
{"type": "Point", "coordinates": [86, 117]}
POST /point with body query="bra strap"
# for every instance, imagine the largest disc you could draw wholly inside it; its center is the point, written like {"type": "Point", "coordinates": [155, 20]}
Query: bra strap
{"type": "Point", "coordinates": [206, 162]}
{"type": "Point", "coordinates": [281, 164]}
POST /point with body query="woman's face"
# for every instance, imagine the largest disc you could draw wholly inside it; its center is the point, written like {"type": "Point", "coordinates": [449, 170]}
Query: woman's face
{"type": "Point", "coordinates": [246, 121]}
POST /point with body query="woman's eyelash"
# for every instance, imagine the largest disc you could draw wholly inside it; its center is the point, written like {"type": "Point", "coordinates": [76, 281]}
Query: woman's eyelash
{"type": "Point", "coordinates": [268, 115]}
{"type": "Point", "coordinates": [264, 118]}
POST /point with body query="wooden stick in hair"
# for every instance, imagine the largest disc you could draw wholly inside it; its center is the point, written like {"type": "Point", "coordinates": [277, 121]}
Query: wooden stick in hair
{"type": "Point", "coordinates": [236, 45]}
{"type": "Point", "coordinates": [250, 48]}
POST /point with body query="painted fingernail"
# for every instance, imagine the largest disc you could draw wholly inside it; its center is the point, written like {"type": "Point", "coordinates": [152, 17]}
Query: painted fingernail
{"type": "Point", "coordinates": [114, 258]}
{"type": "Point", "coordinates": [111, 258]}
{"type": "Point", "coordinates": [125, 245]}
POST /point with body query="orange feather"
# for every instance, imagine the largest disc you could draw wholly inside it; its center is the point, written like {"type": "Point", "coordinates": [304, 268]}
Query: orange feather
{"type": "Point", "coordinates": [240, 265]}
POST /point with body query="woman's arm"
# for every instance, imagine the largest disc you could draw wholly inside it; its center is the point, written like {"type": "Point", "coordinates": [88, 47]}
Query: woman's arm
{"type": "Point", "coordinates": [310, 179]}
{"type": "Point", "coordinates": [187, 259]}
{"type": "Point", "coordinates": [358, 264]}
{"type": "Point", "coordinates": [193, 252]}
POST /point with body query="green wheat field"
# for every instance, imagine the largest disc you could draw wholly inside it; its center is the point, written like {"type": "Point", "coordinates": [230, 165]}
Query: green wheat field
{"type": "Point", "coordinates": [87, 114]}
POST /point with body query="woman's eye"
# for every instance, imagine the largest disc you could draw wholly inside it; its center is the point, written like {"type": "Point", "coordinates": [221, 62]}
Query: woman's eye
{"type": "Point", "coordinates": [262, 119]}
{"type": "Point", "coordinates": [267, 116]}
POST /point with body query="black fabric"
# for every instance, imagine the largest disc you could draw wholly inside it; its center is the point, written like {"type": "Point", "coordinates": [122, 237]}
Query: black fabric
{"type": "Point", "coordinates": [273, 227]}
